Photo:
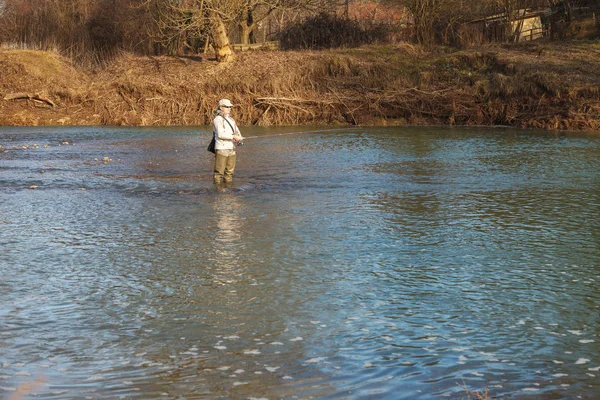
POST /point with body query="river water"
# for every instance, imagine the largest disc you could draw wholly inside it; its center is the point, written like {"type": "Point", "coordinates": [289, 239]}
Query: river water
{"type": "Point", "coordinates": [381, 263]}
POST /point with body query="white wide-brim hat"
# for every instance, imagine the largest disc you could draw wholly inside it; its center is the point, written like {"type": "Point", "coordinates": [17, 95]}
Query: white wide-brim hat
{"type": "Point", "coordinates": [225, 102]}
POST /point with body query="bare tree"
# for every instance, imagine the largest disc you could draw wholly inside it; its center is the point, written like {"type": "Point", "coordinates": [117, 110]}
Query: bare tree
{"type": "Point", "coordinates": [47, 23]}
{"type": "Point", "coordinates": [510, 8]}
{"type": "Point", "coordinates": [425, 15]}
{"type": "Point", "coordinates": [179, 21]}
{"type": "Point", "coordinates": [438, 21]}
{"type": "Point", "coordinates": [252, 14]}
{"type": "Point", "coordinates": [256, 11]}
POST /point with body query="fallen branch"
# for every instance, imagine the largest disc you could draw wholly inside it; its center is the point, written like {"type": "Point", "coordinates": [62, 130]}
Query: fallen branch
{"type": "Point", "coordinates": [263, 115]}
{"type": "Point", "coordinates": [349, 111]}
{"type": "Point", "coordinates": [26, 96]}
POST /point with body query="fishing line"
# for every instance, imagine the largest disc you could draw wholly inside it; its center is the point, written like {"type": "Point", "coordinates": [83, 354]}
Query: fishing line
{"type": "Point", "coordinates": [295, 133]}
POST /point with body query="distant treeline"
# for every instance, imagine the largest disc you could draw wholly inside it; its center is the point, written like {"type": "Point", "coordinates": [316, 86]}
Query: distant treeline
{"type": "Point", "coordinates": [90, 31]}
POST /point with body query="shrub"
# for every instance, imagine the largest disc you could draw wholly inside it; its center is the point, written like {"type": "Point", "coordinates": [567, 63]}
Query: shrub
{"type": "Point", "coordinates": [326, 31]}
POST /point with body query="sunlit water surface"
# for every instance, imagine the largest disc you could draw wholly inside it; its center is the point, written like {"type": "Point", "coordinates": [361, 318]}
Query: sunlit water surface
{"type": "Point", "coordinates": [386, 263]}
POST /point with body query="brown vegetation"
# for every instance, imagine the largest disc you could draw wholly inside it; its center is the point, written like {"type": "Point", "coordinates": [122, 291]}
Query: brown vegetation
{"type": "Point", "coordinates": [551, 85]}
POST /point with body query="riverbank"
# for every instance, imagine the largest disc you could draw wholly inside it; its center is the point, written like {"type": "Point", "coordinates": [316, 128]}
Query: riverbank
{"type": "Point", "coordinates": [548, 85]}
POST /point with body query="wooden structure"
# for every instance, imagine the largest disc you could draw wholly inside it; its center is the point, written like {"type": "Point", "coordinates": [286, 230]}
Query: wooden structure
{"type": "Point", "coordinates": [525, 25]}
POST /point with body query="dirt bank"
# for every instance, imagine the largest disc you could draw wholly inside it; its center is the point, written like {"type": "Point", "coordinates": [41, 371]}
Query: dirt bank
{"type": "Point", "coordinates": [551, 85]}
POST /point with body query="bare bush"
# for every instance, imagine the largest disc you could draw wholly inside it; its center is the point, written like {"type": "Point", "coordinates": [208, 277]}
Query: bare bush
{"type": "Point", "coordinates": [326, 31]}
{"type": "Point", "coordinates": [84, 30]}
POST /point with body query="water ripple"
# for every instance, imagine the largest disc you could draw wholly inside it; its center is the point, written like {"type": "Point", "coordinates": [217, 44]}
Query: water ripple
{"type": "Point", "coordinates": [385, 263]}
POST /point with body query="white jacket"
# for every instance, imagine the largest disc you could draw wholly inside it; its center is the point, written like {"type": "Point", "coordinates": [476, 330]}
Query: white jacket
{"type": "Point", "coordinates": [224, 133]}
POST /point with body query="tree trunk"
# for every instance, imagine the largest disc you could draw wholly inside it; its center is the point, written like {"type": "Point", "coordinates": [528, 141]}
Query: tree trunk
{"type": "Point", "coordinates": [597, 15]}
{"type": "Point", "coordinates": [509, 28]}
{"type": "Point", "coordinates": [244, 34]}
{"type": "Point", "coordinates": [247, 26]}
{"type": "Point", "coordinates": [223, 50]}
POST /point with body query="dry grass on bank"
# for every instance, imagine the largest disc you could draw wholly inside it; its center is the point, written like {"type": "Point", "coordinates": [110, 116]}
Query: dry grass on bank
{"type": "Point", "coordinates": [552, 85]}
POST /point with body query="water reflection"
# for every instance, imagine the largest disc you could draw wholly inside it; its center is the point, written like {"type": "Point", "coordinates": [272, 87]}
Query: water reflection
{"type": "Point", "coordinates": [228, 241]}
{"type": "Point", "coordinates": [387, 263]}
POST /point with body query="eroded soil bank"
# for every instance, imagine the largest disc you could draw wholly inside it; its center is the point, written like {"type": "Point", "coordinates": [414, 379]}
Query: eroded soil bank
{"type": "Point", "coordinates": [550, 85]}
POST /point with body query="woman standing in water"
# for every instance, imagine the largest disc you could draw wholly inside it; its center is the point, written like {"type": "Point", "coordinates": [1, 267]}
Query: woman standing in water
{"type": "Point", "coordinates": [227, 136]}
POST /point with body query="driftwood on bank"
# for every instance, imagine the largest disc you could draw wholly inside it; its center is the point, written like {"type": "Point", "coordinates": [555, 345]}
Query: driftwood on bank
{"type": "Point", "coordinates": [304, 106]}
{"type": "Point", "coordinates": [27, 96]}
